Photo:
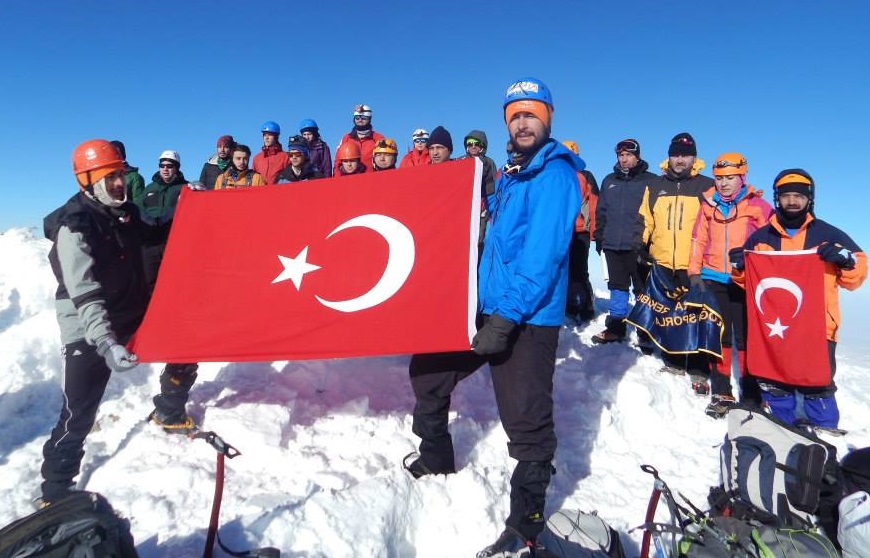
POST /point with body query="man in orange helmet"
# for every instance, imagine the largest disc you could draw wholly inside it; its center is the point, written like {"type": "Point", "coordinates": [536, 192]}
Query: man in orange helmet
{"type": "Point", "coordinates": [102, 294]}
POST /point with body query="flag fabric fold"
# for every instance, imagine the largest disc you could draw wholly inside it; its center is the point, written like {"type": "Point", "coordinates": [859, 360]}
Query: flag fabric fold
{"type": "Point", "coordinates": [679, 323]}
{"type": "Point", "coordinates": [785, 309]}
{"type": "Point", "coordinates": [363, 265]}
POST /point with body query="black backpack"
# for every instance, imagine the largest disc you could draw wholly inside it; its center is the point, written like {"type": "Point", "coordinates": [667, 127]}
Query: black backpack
{"type": "Point", "coordinates": [81, 525]}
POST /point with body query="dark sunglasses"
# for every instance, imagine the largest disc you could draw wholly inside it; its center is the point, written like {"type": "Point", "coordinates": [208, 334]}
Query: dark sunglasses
{"type": "Point", "coordinates": [420, 140]}
{"type": "Point", "coordinates": [167, 165]}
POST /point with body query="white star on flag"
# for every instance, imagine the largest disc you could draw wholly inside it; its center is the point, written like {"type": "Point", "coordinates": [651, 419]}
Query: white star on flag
{"type": "Point", "coordinates": [295, 268]}
{"type": "Point", "coordinates": [776, 328]}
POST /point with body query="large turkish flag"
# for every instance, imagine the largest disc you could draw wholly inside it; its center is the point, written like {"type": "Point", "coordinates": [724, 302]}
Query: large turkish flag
{"type": "Point", "coordinates": [371, 264]}
{"type": "Point", "coordinates": [785, 307]}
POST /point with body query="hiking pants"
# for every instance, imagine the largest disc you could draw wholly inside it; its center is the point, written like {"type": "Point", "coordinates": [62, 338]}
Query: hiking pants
{"type": "Point", "coordinates": [84, 379]}
{"type": "Point", "coordinates": [579, 287]}
{"type": "Point", "coordinates": [522, 379]}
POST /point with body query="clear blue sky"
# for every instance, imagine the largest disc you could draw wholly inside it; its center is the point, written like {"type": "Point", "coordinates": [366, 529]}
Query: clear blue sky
{"type": "Point", "coordinates": [784, 82]}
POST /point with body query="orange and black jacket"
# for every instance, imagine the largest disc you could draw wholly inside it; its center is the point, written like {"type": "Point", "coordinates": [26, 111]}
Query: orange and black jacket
{"type": "Point", "coordinates": [812, 234]}
{"type": "Point", "coordinates": [669, 208]}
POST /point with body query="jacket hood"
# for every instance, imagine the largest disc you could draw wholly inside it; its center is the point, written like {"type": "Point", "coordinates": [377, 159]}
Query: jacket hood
{"type": "Point", "coordinates": [480, 136]}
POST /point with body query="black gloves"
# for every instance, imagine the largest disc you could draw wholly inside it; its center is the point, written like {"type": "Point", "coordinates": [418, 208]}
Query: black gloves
{"type": "Point", "coordinates": [644, 257]}
{"type": "Point", "coordinates": [696, 282]}
{"type": "Point", "coordinates": [492, 338]}
{"type": "Point", "coordinates": [598, 245]}
{"type": "Point", "coordinates": [737, 258]}
{"type": "Point", "coordinates": [838, 255]}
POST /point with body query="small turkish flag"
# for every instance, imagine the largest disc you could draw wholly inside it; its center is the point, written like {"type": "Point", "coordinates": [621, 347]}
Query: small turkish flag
{"type": "Point", "coordinates": [371, 264]}
{"type": "Point", "coordinates": [785, 308]}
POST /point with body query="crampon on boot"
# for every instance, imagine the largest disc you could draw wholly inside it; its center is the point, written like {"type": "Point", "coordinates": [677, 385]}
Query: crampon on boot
{"type": "Point", "coordinates": [173, 424]}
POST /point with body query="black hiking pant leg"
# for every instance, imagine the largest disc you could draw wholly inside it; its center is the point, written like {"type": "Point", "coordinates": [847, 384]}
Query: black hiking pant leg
{"type": "Point", "coordinates": [579, 288]}
{"type": "Point", "coordinates": [85, 377]}
{"type": "Point", "coordinates": [433, 379]}
{"type": "Point", "coordinates": [523, 383]}
{"type": "Point", "coordinates": [176, 380]}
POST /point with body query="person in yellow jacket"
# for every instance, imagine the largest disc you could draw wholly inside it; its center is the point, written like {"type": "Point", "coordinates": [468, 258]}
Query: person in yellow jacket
{"type": "Point", "coordinates": [238, 174]}
{"type": "Point", "coordinates": [669, 208]}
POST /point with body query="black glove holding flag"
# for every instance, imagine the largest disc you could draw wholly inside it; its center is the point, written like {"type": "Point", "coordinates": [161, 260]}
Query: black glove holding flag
{"type": "Point", "coordinates": [737, 258]}
{"type": "Point", "coordinates": [492, 338]}
{"type": "Point", "coordinates": [838, 255]}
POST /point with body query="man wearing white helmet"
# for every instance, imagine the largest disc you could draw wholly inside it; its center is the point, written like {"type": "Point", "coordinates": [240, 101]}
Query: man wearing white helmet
{"type": "Point", "coordinates": [361, 134]}
{"type": "Point", "coordinates": [418, 155]}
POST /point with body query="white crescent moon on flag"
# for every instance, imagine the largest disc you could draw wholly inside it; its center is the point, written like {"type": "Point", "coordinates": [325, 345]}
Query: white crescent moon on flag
{"type": "Point", "coordinates": [779, 283]}
{"type": "Point", "coordinates": [400, 261]}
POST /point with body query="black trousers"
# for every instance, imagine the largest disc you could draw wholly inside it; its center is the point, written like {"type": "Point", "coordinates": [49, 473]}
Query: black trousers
{"type": "Point", "coordinates": [85, 377]}
{"type": "Point", "coordinates": [522, 379]}
{"type": "Point", "coordinates": [579, 287]}
{"type": "Point", "coordinates": [731, 300]}
{"type": "Point", "coordinates": [623, 271]}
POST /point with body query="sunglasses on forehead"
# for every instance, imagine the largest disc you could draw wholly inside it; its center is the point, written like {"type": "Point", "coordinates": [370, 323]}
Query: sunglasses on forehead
{"type": "Point", "coordinates": [726, 164]}
{"type": "Point", "coordinates": [627, 145]}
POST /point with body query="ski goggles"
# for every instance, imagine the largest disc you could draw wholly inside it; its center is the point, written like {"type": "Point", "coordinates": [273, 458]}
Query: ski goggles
{"type": "Point", "coordinates": [628, 145]}
{"type": "Point", "coordinates": [724, 164]}
{"type": "Point", "coordinates": [473, 143]}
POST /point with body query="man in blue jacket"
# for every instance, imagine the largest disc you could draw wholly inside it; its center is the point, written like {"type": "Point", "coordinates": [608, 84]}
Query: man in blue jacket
{"type": "Point", "coordinates": [522, 288]}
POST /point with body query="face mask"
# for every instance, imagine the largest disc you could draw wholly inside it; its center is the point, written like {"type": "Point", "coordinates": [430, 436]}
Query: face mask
{"type": "Point", "coordinates": [102, 195]}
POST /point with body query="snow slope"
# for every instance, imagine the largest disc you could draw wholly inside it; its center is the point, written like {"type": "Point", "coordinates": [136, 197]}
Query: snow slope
{"type": "Point", "coordinates": [322, 441]}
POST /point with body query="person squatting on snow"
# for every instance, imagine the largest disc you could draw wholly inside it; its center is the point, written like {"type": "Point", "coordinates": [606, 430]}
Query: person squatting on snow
{"type": "Point", "coordinates": [730, 213]}
{"type": "Point", "coordinates": [580, 298]}
{"type": "Point", "coordinates": [618, 231]}
{"type": "Point", "coordinates": [669, 209]}
{"type": "Point", "coordinates": [794, 226]}
{"type": "Point", "coordinates": [102, 293]}
{"type": "Point", "coordinates": [522, 290]}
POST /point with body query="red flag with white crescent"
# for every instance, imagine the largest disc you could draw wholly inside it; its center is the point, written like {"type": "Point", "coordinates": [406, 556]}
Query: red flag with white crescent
{"type": "Point", "coordinates": [785, 307]}
{"type": "Point", "coordinates": [371, 264]}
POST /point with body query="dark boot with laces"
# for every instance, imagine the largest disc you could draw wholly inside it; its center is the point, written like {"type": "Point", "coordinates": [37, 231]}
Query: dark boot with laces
{"type": "Point", "coordinates": [509, 544]}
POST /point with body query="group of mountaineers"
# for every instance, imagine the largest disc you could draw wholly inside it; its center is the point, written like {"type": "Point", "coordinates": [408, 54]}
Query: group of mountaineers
{"type": "Point", "coordinates": [109, 239]}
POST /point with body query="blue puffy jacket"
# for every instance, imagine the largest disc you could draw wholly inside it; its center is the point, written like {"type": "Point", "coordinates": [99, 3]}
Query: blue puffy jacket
{"type": "Point", "coordinates": [523, 273]}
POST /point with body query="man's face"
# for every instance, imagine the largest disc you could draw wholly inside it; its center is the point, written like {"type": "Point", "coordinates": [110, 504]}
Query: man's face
{"type": "Point", "coordinates": [627, 160]}
{"type": "Point", "coordinates": [728, 185]}
{"type": "Point", "coordinates": [361, 120]}
{"type": "Point", "coordinates": [296, 158]}
{"type": "Point", "coordinates": [269, 139]}
{"type": "Point", "coordinates": [526, 131]}
{"type": "Point", "coordinates": [438, 153]}
{"type": "Point", "coordinates": [473, 147]}
{"type": "Point", "coordinates": [223, 151]}
{"type": "Point", "coordinates": [168, 170]}
{"type": "Point", "coordinates": [308, 135]}
{"type": "Point", "coordinates": [681, 163]}
{"type": "Point", "coordinates": [793, 202]}
{"type": "Point", "coordinates": [384, 160]}
{"type": "Point", "coordinates": [350, 165]}
{"type": "Point", "coordinates": [240, 159]}
{"type": "Point", "coordinates": [116, 185]}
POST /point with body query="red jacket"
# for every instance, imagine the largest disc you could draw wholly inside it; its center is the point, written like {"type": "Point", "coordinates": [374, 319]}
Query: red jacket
{"type": "Point", "coordinates": [270, 162]}
{"type": "Point", "coordinates": [414, 158]}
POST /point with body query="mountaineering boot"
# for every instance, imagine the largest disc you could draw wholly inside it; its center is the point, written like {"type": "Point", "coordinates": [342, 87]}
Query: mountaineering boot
{"type": "Point", "coordinates": [413, 463]}
{"type": "Point", "coordinates": [509, 544]}
{"type": "Point", "coordinates": [614, 331]}
{"type": "Point", "coordinates": [720, 405]}
{"type": "Point", "coordinates": [169, 412]}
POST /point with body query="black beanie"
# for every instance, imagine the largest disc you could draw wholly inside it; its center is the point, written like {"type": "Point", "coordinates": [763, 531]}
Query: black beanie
{"type": "Point", "coordinates": [441, 136]}
{"type": "Point", "coordinates": [683, 144]}
{"type": "Point", "coordinates": [794, 180]}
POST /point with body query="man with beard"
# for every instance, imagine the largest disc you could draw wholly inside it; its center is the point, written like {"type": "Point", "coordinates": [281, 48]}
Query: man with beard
{"type": "Point", "coordinates": [669, 208]}
{"type": "Point", "coordinates": [217, 163]}
{"type": "Point", "coordinates": [522, 289]}
{"type": "Point", "coordinates": [794, 226]}
{"type": "Point", "coordinates": [272, 159]}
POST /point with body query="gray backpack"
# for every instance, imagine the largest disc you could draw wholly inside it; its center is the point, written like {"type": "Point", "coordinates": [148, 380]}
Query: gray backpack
{"type": "Point", "coordinates": [727, 537]}
{"type": "Point", "coordinates": [577, 534]}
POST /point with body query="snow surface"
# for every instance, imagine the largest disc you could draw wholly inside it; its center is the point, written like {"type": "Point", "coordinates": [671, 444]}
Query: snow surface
{"type": "Point", "coordinates": [321, 442]}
